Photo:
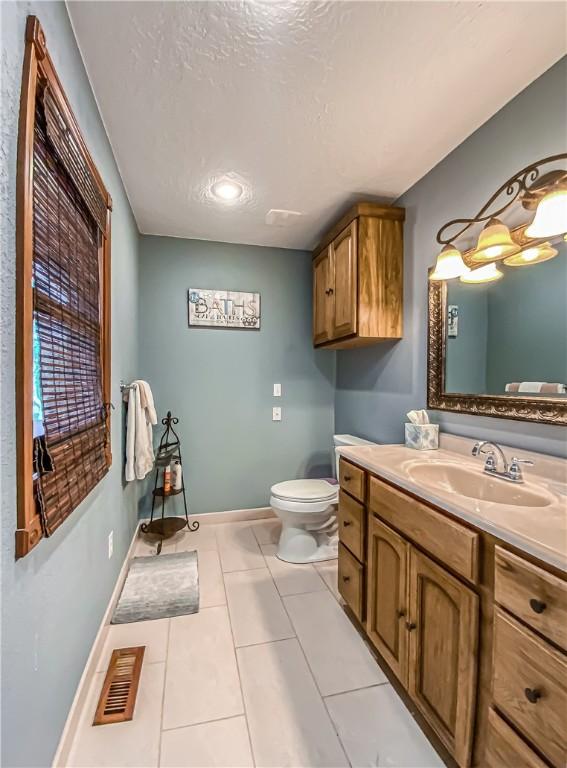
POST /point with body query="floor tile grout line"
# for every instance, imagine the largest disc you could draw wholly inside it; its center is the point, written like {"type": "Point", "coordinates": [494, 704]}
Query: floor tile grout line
{"type": "Point", "coordinates": [239, 676]}
{"type": "Point", "coordinates": [266, 642]}
{"type": "Point", "coordinates": [204, 722]}
{"type": "Point", "coordinates": [163, 691]}
{"type": "Point", "coordinates": [354, 690]}
{"type": "Point", "coordinates": [317, 686]}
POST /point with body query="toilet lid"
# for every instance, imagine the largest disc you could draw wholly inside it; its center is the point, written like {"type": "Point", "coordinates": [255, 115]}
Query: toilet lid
{"type": "Point", "coordinates": [304, 490]}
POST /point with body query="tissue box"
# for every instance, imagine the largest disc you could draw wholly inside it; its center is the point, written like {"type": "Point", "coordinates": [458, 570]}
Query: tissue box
{"type": "Point", "coordinates": [422, 437]}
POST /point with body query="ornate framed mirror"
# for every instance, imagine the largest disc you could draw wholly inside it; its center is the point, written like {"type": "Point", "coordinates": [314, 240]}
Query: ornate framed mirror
{"type": "Point", "coordinates": [467, 371]}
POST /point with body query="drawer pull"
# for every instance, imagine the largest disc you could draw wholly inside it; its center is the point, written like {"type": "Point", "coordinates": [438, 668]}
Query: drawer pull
{"type": "Point", "coordinates": [346, 523]}
{"type": "Point", "coordinates": [410, 626]}
{"type": "Point", "coordinates": [532, 695]}
{"type": "Point", "coordinates": [347, 478]}
{"type": "Point", "coordinates": [537, 606]}
{"type": "Point", "coordinates": [346, 578]}
{"type": "Point", "coordinates": [401, 614]}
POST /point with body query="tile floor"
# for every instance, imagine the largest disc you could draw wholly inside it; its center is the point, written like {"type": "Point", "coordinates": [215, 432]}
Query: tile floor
{"type": "Point", "coordinates": [270, 672]}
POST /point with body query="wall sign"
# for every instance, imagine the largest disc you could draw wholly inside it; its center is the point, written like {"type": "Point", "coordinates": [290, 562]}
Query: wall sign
{"type": "Point", "coordinates": [210, 308]}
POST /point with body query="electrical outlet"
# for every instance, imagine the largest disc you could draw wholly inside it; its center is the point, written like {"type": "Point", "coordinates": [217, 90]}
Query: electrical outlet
{"type": "Point", "coordinates": [110, 544]}
{"type": "Point", "coordinates": [276, 414]}
{"type": "Point", "coordinates": [277, 390]}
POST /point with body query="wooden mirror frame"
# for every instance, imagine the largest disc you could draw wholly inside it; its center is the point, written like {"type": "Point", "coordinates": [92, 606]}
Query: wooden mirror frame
{"type": "Point", "coordinates": [545, 410]}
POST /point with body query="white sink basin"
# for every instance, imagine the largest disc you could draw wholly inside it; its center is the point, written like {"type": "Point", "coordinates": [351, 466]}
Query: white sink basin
{"type": "Point", "coordinates": [452, 478]}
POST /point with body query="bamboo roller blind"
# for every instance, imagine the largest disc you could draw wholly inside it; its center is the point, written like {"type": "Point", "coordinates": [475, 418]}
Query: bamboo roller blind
{"type": "Point", "coordinates": [67, 215]}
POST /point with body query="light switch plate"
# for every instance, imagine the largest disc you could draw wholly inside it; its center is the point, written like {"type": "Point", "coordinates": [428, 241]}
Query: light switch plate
{"type": "Point", "coordinates": [276, 414]}
{"type": "Point", "coordinates": [277, 390]}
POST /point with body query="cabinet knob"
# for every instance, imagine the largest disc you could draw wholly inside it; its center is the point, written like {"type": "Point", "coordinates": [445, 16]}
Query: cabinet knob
{"type": "Point", "coordinates": [346, 578]}
{"type": "Point", "coordinates": [410, 626]}
{"type": "Point", "coordinates": [537, 606]}
{"type": "Point", "coordinates": [331, 291]}
{"type": "Point", "coordinates": [532, 695]}
{"type": "Point", "coordinates": [346, 523]}
{"type": "Point", "coordinates": [347, 478]}
{"type": "Point", "coordinates": [401, 614]}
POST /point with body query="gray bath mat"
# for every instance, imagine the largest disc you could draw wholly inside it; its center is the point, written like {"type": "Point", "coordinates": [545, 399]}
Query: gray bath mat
{"type": "Point", "coordinates": [159, 587]}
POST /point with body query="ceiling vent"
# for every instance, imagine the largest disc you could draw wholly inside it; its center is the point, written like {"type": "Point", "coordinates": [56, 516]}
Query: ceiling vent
{"type": "Point", "coordinates": [120, 687]}
{"type": "Point", "coordinates": [278, 217]}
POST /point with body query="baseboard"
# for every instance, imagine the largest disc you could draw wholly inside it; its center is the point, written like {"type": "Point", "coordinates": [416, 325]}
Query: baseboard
{"type": "Point", "coordinates": [234, 515]}
{"type": "Point", "coordinates": [62, 754]}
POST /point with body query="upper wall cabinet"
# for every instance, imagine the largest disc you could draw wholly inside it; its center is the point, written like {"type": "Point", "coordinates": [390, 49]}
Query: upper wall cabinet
{"type": "Point", "coordinates": [358, 279]}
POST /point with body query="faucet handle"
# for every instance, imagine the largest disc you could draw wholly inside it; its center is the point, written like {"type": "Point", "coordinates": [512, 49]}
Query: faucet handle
{"type": "Point", "coordinates": [515, 470]}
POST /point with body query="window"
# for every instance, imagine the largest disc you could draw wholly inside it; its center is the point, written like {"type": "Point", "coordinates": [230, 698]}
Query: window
{"type": "Point", "coordinates": [63, 319]}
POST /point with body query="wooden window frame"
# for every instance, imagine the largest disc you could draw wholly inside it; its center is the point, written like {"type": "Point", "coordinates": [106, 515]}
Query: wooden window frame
{"type": "Point", "coordinates": [38, 68]}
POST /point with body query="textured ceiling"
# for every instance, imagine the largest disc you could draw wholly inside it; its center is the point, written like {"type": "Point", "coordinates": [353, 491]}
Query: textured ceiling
{"type": "Point", "coordinates": [311, 105]}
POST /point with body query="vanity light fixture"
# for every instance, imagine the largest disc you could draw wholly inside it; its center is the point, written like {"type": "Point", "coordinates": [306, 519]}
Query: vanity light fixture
{"type": "Point", "coordinates": [495, 242]}
{"type": "Point", "coordinates": [487, 274]}
{"type": "Point", "coordinates": [449, 264]}
{"type": "Point", "coordinates": [551, 214]}
{"type": "Point", "coordinates": [530, 189]}
{"type": "Point", "coordinates": [227, 190]}
{"type": "Point", "coordinates": [535, 254]}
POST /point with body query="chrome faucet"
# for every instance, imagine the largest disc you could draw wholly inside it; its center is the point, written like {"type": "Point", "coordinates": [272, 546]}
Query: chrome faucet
{"type": "Point", "coordinates": [511, 472]}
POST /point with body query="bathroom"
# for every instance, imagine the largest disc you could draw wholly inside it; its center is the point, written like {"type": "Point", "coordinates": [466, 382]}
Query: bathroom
{"type": "Point", "coordinates": [313, 117]}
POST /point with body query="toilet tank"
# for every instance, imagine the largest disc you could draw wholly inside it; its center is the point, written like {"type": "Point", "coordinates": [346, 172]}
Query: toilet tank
{"type": "Point", "coordinates": [340, 440]}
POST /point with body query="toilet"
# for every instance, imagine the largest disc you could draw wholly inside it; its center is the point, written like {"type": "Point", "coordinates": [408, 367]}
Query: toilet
{"type": "Point", "coordinates": [308, 511]}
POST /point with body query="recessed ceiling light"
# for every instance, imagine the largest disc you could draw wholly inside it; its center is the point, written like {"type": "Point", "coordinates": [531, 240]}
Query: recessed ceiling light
{"type": "Point", "coordinates": [227, 190]}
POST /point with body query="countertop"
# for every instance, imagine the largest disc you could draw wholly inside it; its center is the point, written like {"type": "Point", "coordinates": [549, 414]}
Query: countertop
{"type": "Point", "coordinates": [538, 530]}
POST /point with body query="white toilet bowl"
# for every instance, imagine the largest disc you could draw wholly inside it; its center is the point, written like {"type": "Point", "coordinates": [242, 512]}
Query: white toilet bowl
{"type": "Point", "coordinates": [308, 511]}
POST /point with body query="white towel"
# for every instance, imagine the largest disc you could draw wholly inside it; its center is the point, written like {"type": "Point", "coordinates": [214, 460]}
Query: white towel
{"type": "Point", "coordinates": [139, 437]}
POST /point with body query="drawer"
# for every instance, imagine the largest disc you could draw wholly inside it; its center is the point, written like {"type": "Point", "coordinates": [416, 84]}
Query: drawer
{"type": "Point", "coordinates": [351, 479]}
{"type": "Point", "coordinates": [505, 749]}
{"type": "Point", "coordinates": [351, 524]}
{"type": "Point", "coordinates": [529, 686]}
{"type": "Point", "coordinates": [452, 543]}
{"type": "Point", "coordinates": [534, 595]}
{"type": "Point", "coordinates": [351, 582]}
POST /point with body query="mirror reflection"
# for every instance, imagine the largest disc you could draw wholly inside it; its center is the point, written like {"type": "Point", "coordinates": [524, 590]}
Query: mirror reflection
{"type": "Point", "coordinates": [509, 336]}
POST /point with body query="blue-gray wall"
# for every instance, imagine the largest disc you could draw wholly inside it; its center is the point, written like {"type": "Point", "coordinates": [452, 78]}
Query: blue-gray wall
{"type": "Point", "coordinates": [219, 382]}
{"type": "Point", "coordinates": [378, 385]}
{"type": "Point", "coordinates": [53, 599]}
{"type": "Point", "coordinates": [465, 368]}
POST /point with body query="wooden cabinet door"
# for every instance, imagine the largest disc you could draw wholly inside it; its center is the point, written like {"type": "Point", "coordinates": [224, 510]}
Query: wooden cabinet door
{"type": "Point", "coordinates": [443, 639]}
{"type": "Point", "coordinates": [322, 297]}
{"type": "Point", "coordinates": [388, 556]}
{"type": "Point", "coordinates": [344, 287]}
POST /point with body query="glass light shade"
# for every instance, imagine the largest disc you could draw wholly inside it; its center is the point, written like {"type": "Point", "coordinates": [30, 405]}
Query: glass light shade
{"type": "Point", "coordinates": [535, 254]}
{"type": "Point", "coordinates": [494, 242]}
{"type": "Point", "coordinates": [486, 274]}
{"type": "Point", "coordinates": [551, 215]}
{"type": "Point", "coordinates": [449, 264]}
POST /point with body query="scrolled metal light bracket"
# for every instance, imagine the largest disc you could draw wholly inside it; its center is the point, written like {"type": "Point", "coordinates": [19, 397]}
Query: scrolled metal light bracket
{"type": "Point", "coordinates": [527, 184]}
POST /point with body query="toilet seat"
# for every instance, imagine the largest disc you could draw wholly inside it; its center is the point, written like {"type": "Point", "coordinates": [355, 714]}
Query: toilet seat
{"type": "Point", "coordinates": [305, 491]}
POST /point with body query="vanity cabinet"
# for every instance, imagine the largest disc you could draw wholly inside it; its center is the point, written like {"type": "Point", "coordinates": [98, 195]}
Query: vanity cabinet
{"type": "Point", "coordinates": [358, 279]}
{"type": "Point", "coordinates": [388, 560]}
{"type": "Point", "coordinates": [352, 522]}
{"type": "Point", "coordinates": [423, 622]}
{"type": "Point", "coordinates": [443, 630]}
{"type": "Point", "coordinates": [474, 632]}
